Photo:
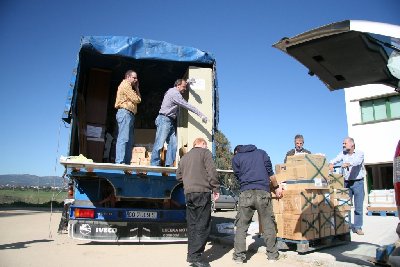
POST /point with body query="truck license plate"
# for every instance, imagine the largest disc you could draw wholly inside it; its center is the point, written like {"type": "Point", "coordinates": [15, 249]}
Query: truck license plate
{"type": "Point", "coordinates": [141, 214]}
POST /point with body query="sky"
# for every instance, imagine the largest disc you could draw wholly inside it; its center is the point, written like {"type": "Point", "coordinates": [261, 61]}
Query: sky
{"type": "Point", "coordinates": [266, 97]}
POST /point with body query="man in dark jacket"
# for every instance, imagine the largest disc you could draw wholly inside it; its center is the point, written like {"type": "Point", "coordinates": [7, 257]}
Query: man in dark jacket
{"type": "Point", "coordinates": [199, 175]}
{"type": "Point", "coordinates": [253, 168]}
{"type": "Point", "coordinates": [298, 147]}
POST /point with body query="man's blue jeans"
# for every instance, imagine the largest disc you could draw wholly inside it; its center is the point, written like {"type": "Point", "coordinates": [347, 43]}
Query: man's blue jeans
{"type": "Point", "coordinates": [357, 191]}
{"type": "Point", "coordinates": [166, 132]}
{"type": "Point", "coordinates": [249, 202]}
{"type": "Point", "coordinates": [126, 123]}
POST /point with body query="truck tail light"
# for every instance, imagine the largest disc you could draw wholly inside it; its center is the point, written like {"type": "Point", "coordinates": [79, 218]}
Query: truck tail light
{"type": "Point", "coordinates": [84, 213]}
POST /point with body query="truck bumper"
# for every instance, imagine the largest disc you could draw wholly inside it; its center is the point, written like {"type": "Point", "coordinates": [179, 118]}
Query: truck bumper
{"type": "Point", "coordinates": [136, 232]}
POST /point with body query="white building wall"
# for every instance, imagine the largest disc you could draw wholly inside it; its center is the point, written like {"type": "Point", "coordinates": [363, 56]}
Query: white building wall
{"type": "Point", "coordinates": [377, 140]}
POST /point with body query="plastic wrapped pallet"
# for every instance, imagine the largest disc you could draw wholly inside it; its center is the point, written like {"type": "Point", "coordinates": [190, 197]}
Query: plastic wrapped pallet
{"type": "Point", "coordinates": [382, 198]}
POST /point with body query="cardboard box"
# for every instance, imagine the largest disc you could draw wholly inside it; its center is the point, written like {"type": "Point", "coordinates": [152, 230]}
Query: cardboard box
{"type": "Point", "coordinates": [325, 204]}
{"type": "Point", "coordinates": [342, 222]}
{"type": "Point", "coordinates": [335, 180]}
{"type": "Point", "coordinates": [135, 162]}
{"type": "Point", "coordinates": [307, 166]}
{"type": "Point", "coordinates": [279, 225]}
{"type": "Point", "coordinates": [138, 153]}
{"type": "Point", "coordinates": [145, 162]}
{"type": "Point", "coordinates": [299, 227]}
{"type": "Point", "coordinates": [282, 177]}
{"type": "Point", "coordinates": [341, 199]}
{"type": "Point", "coordinates": [299, 202]}
{"type": "Point", "coordinates": [326, 224]}
{"type": "Point", "coordinates": [280, 168]}
{"type": "Point", "coordinates": [304, 184]}
{"type": "Point", "coordinates": [277, 205]}
{"type": "Point", "coordinates": [139, 149]}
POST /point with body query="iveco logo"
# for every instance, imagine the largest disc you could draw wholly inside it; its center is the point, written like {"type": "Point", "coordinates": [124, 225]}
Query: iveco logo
{"type": "Point", "coordinates": [85, 229]}
{"type": "Point", "coordinates": [106, 230]}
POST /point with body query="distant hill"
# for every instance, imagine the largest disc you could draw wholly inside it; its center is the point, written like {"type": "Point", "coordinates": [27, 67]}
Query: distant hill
{"type": "Point", "coordinates": [30, 180]}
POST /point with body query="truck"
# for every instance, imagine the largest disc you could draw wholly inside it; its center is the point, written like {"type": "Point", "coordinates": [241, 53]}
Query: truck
{"type": "Point", "coordinates": [148, 203]}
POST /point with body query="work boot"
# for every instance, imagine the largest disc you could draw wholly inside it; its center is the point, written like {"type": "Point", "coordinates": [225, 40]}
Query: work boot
{"type": "Point", "coordinates": [280, 257]}
{"type": "Point", "coordinates": [238, 260]}
{"type": "Point", "coordinates": [359, 232]}
{"type": "Point", "coordinates": [199, 264]}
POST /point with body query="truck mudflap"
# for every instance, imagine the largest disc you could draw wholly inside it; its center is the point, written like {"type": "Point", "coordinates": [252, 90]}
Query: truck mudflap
{"type": "Point", "coordinates": [135, 232]}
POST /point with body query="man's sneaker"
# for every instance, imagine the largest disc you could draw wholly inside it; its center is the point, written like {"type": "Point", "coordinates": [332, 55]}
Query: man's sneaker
{"type": "Point", "coordinates": [238, 261]}
{"type": "Point", "coordinates": [280, 257]}
{"type": "Point", "coordinates": [199, 264]}
{"type": "Point", "coordinates": [359, 232]}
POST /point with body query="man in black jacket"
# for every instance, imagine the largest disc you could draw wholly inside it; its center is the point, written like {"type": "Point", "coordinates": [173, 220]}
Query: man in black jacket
{"type": "Point", "coordinates": [253, 168]}
{"type": "Point", "coordinates": [197, 171]}
{"type": "Point", "coordinates": [298, 147]}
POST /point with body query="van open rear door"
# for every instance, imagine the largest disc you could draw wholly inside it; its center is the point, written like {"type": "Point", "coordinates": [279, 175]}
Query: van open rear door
{"type": "Point", "coordinates": [348, 53]}
{"type": "Point", "coordinates": [351, 53]}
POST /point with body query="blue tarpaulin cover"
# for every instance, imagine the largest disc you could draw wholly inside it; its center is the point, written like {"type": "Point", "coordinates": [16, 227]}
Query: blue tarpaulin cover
{"type": "Point", "coordinates": [134, 48]}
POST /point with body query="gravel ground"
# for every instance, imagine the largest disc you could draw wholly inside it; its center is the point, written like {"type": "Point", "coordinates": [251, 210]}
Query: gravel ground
{"type": "Point", "coordinates": [29, 238]}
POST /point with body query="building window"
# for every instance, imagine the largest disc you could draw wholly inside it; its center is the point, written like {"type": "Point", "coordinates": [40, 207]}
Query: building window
{"type": "Point", "coordinates": [380, 109]}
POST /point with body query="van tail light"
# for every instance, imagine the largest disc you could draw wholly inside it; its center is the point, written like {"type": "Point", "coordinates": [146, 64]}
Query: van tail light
{"type": "Point", "coordinates": [396, 176]}
{"type": "Point", "coordinates": [397, 153]}
{"type": "Point", "coordinates": [84, 213]}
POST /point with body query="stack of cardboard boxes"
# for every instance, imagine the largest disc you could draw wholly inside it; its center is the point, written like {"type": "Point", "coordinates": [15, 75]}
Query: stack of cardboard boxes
{"type": "Point", "coordinates": [314, 203]}
{"type": "Point", "coordinates": [140, 156]}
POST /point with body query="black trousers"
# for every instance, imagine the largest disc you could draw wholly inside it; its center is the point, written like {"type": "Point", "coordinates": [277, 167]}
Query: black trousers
{"type": "Point", "coordinates": [198, 217]}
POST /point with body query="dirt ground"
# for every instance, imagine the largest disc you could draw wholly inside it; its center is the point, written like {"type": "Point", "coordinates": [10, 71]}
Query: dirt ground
{"type": "Point", "coordinates": [30, 238]}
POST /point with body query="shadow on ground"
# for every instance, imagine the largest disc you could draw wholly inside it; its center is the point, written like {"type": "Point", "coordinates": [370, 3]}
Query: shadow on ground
{"type": "Point", "coordinates": [19, 245]}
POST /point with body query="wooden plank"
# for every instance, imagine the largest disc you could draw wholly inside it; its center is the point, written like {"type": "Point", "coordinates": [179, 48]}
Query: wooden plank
{"type": "Point", "coordinates": [382, 208]}
{"type": "Point", "coordinates": [112, 166]}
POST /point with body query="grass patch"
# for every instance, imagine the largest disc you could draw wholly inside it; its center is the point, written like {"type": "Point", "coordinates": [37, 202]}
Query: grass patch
{"type": "Point", "coordinates": [31, 198]}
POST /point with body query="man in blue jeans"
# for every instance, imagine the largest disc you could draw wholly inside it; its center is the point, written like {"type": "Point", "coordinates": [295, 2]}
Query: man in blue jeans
{"type": "Point", "coordinates": [352, 161]}
{"type": "Point", "coordinates": [166, 123]}
{"type": "Point", "coordinates": [253, 168]}
{"type": "Point", "coordinates": [128, 97]}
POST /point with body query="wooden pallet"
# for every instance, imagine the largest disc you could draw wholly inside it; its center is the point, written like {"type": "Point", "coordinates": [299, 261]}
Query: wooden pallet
{"type": "Point", "coordinates": [382, 211]}
{"type": "Point", "coordinates": [305, 246]}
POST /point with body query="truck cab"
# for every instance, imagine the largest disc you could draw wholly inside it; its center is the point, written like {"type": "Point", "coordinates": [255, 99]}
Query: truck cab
{"type": "Point", "coordinates": [132, 203]}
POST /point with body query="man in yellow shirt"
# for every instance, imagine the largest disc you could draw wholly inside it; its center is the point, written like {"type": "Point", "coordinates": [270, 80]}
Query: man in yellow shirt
{"type": "Point", "coordinates": [128, 97]}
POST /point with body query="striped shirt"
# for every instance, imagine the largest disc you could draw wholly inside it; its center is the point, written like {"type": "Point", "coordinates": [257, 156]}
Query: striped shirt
{"type": "Point", "coordinates": [172, 100]}
{"type": "Point", "coordinates": [356, 160]}
{"type": "Point", "coordinates": [127, 98]}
